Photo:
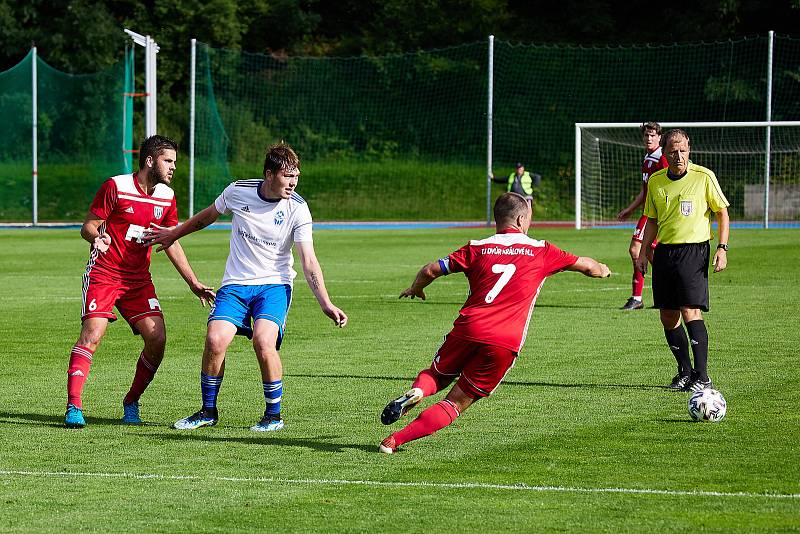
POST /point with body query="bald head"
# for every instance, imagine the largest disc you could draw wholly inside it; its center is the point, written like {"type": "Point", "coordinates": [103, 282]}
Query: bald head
{"type": "Point", "coordinates": [509, 208]}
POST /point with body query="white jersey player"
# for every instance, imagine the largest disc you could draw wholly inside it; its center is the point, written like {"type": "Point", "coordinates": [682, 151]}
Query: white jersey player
{"type": "Point", "coordinates": [268, 219]}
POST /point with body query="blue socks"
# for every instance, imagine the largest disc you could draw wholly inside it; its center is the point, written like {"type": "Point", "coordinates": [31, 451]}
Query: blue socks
{"type": "Point", "coordinates": [273, 391]}
{"type": "Point", "coordinates": [209, 385]}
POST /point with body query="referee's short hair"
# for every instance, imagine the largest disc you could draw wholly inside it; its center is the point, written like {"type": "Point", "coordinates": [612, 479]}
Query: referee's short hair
{"type": "Point", "coordinates": [674, 134]}
{"type": "Point", "coordinates": [508, 206]}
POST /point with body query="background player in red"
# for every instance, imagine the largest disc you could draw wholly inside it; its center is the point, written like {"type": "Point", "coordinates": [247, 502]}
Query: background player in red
{"type": "Point", "coordinates": [653, 161]}
{"type": "Point", "coordinates": [506, 272]}
{"type": "Point", "coordinates": [117, 273]}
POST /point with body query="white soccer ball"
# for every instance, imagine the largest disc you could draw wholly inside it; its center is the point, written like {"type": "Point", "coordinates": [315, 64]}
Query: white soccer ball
{"type": "Point", "coordinates": [707, 405]}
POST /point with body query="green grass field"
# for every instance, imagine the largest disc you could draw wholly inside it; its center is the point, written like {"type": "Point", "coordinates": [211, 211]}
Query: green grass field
{"type": "Point", "coordinates": [581, 437]}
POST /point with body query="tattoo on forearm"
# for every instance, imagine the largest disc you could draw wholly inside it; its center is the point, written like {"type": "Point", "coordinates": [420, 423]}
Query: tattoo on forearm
{"type": "Point", "coordinates": [314, 281]}
{"type": "Point", "coordinates": [199, 225]}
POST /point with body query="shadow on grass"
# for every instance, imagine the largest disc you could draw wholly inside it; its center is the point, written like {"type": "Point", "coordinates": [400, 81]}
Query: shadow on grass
{"type": "Point", "coordinates": [57, 420]}
{"type": "Point", "coordinates": [320, 443]}
{"type": "Point", "coordinates": [505, 382]}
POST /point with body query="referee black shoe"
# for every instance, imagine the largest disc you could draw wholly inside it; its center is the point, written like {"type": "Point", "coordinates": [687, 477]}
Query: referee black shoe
{"type": "Point", "coordinates": [679, 382]}
{"type": "Point", "coordinates": [633, 304]}
{"type": "Point", "coordinates": [698, 385]}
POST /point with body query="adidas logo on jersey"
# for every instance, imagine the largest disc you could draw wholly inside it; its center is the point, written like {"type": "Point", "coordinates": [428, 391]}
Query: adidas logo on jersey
{"type": "Point", "coordinates": [246, 209]}
{"type": "Point", "coordinates": [77, 373]}
{"type": "Point", "coordinates": [129, 209]}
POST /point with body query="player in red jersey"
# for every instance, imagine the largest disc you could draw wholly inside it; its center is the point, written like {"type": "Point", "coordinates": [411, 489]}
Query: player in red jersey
{"type": "Point", "coordinates": [653, 161]}
{"type": "Point", "coordinates": [506, 272]}
{"type": "Point", "coordinates": [117, 273]}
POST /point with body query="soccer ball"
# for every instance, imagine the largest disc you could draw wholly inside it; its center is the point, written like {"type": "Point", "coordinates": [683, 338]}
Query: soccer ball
{"type": "Point", "coordinates": [707, 405]}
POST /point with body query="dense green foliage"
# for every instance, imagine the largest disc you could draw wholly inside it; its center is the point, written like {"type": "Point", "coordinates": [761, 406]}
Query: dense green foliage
{"type": "Point", "coordinates": [86, 35]}
{"type": "Point", "coordinates": [584, 408]}
{"type": "Point", "coordinates": [370, 118]}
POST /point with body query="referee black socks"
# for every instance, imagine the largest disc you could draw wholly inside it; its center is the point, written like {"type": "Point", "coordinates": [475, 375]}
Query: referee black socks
{"type": "Point", "coordinates": [699, 339]}
{"type": "Point", "coordinates": [679, 345]}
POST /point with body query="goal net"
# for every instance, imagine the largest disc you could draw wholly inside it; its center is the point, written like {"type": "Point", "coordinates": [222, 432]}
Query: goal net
{"type": "Point", "coordinates": [761, 184]}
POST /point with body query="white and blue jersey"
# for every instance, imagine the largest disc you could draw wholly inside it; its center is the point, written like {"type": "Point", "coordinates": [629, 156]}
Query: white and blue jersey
{"type": "Point", "coordinates": [262, 234]}
{"type": "Point", "coordinates": [257, 283]}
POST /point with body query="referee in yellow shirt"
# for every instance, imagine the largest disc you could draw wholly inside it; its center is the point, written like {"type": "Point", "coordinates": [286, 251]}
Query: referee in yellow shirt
{"type": "Point", "coordinates": [679, 204]}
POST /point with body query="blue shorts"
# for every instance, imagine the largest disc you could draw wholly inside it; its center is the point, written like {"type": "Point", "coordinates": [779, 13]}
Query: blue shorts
{"type": "Point", "coordinates": [242, 305]}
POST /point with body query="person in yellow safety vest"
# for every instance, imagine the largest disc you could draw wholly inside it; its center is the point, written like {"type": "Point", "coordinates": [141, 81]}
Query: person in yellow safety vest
{"type": "Point", "coordinates": [521, 182]}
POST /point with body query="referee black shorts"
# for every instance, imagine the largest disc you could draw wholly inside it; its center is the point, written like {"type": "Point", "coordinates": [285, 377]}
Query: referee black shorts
{"type": "Point", "coordinates": [680, 276]}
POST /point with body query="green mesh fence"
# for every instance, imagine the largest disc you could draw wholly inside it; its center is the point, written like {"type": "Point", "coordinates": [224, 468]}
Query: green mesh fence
{"type": "Point", "coordinates": [393, 137]}
{"type": "Point", "coordinates": [543, 91]}
{"type": "Point", "coordinates": [404, 137]}
{"type": "Point", "coordinates": [15, 142]}
{"type": "Point", "coordinates": [84, 136]}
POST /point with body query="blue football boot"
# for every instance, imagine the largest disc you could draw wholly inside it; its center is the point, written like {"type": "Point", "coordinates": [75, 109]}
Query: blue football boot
{"type": "Point", "coordinates": [74, 417]}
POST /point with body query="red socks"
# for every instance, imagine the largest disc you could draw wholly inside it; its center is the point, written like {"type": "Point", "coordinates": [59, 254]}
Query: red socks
{"type": "Point", "coordinates": [429, 421]}
{"type": "Point", "coordinates": [638, 283]}
{"type": "Point", "coordinates": [430, 382]}
{"type": "Point", "coordinates": [145, 371]}
{"type": "Point", "coordinates": [80, 359]}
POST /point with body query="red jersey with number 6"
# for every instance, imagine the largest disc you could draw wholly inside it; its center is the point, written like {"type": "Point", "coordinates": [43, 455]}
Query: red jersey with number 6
{"type": "Point", "coordinates": [506, 272]}
{"type": "Point", "coordinates": [127, 211]}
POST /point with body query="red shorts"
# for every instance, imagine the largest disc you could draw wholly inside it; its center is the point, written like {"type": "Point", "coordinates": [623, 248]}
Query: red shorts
{"type": "Point", "coordinates": [638, 233]}
{"type": "Point", "coordinates": [482, 367]}
{"type": "Point", "coordinates": [134, 300]}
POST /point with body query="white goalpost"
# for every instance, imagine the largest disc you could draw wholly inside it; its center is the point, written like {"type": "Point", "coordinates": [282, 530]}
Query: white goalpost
{"type": "Point", "coordinates": [756, 163]}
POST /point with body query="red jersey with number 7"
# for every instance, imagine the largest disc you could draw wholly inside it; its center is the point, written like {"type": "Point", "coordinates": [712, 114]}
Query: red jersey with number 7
{"type": "Point", "coordinates": [127, 211]}
{"type": "Point", "coordinates": [506, 272]}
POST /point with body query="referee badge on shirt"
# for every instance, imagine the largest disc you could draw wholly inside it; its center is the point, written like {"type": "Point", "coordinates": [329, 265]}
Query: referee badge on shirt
{"type": "Point", "coordinates": [686, 207]}
{"type": "Point", "coordinates": [158, 211]}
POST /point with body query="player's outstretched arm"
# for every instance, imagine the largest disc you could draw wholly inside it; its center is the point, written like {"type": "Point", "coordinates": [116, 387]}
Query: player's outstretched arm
{"type": "Point", "coordinates": [425, 276]}
{"type": "Point", "coordinates": [313, 273]}
{"type": "Point", "coordinates": [90, 231]}
{"type": "Point", "coordinates": [165, 237]}
{"type": "Point", "coordinates": [178, 258]}
{"type": "Point", "coordinates": [590, 267]}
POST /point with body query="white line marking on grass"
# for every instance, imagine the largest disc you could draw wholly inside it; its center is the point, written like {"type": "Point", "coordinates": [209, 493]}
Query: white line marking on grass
{"type": "Point", "coordinates": [399, 484]}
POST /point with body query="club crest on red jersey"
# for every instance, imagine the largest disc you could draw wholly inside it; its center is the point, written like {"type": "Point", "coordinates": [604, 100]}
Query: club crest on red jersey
{"type": "Point", "coordinates": [158, 211]}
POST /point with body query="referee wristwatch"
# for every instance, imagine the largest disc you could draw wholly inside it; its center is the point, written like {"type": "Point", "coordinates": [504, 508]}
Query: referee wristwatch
{"type": "Point", "coordinates": [723, 246]}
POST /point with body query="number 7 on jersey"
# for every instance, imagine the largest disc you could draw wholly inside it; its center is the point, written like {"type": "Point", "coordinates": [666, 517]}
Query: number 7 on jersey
{"type": "Point", "coordinates": [506, 271]}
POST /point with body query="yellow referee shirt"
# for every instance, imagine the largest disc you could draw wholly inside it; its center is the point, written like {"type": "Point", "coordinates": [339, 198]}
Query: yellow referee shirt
{"type": "Point", "coordinates": [683, 207]}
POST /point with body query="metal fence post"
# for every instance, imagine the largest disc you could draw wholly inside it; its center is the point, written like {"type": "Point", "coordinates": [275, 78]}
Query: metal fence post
{"type": "Point", "coordinates": [35, 129]}
{"type": "Point", "coordinates": [490, 103]}
{"type": "Point", "coordinates": [768, 141]}
{"type": "Point", "coordinates": [191, 125]}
